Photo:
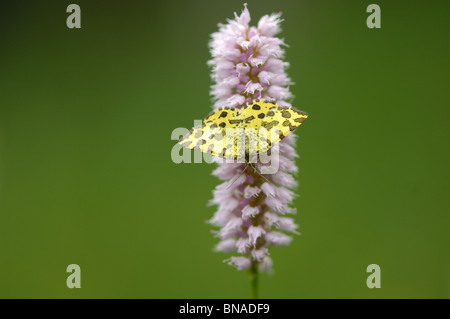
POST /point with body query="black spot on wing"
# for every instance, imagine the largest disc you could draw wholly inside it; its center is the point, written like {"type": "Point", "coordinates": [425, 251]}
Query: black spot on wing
{"type": "Point", "coordinates": [250, 118]}
{"type": "Point", "coordinates": [286, 114]}
{"type": "Point", "coordinates": [269, 125]}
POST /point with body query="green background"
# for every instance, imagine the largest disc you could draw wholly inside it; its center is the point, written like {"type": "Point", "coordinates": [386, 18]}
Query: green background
{"type": "Point", "coordinates": [86, 175]}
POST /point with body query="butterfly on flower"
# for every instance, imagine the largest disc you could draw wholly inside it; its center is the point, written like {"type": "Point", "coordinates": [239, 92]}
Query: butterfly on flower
{"type": "Point", "coordinates": [243, 133]}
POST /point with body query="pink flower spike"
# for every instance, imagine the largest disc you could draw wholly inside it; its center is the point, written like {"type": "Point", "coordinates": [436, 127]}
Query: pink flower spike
{"type": "Point", "coordinates": [247, 64]}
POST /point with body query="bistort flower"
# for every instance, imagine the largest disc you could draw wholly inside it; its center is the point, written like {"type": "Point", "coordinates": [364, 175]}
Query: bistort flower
{"type": "Point", "coordinates": [252, 213]}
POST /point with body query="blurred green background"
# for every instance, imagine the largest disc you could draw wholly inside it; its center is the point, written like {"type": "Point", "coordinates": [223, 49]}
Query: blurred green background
{"type": "Point", "coordinates": [86, 175]}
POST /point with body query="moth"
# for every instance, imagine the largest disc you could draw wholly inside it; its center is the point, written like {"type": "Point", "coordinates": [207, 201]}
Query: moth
{"type": "Point", "coordinates": [243, 133]}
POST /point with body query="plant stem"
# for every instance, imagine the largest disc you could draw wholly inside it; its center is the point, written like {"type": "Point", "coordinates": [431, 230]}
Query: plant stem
{"type": "Point", "coordinates": [254, 280]}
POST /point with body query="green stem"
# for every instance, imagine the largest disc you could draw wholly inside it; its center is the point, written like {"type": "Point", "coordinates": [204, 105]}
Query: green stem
{"type": "Point", "coordinates": [254, 280]}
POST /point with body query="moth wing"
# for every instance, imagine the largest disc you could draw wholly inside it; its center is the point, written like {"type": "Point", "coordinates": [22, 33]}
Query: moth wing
{"type": "Point", "coordinates": [208, 138]}
{"type": "Point", "coordinates": [228, 120]}
{"type": "Point", "coordinates": [253, 113]}
{"type": "Point", "coordinates": [252, 116]}
{"type": "Point", "coordinates": [222, 115]}
{"type": "Point", "coordinates": [283, 119]}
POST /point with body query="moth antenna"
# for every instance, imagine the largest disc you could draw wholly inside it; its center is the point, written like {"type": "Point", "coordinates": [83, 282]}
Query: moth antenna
{"type": "Point", "coordinates": [256, 171]}
{"type": "Point", "coordinates": [265, 178]}
{"type": "Point", "coordinates": [238, 176]}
